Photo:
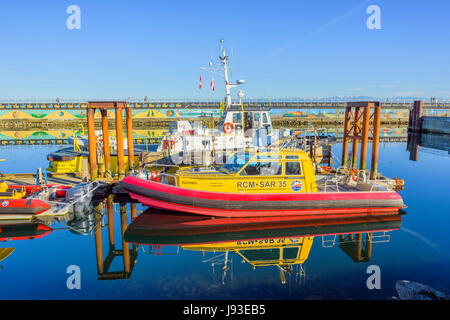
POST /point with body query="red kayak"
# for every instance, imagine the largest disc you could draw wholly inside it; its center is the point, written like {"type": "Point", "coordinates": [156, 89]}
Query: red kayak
{"type": "Point", "coordinates": [306, 204]}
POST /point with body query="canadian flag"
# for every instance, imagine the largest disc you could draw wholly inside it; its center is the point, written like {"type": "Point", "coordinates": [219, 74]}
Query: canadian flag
{"type": "Point", "coordinates": [212, 84]}
{"type": "Point", "coordinates": [200, 85]}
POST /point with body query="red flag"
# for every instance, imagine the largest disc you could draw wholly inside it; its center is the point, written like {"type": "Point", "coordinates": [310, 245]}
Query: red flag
{"type": "Point", "coordinates": [200, 85]}
{"type": "Point", "coordinates": [212, 84]}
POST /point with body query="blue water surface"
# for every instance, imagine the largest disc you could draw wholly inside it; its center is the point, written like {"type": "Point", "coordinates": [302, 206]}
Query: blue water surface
{"type": "Point", "coordinates": [418, 251]}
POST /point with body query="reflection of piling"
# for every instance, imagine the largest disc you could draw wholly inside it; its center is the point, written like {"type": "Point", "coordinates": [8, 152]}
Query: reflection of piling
{"type": "Point", "coordinates": [98, 239]}
{"type": "Point", "coordinates": [125, 247]}
{"type": "Point", "coordinates": [110, 205]}
{"type": "Point", "coordinates": [355, 246]}
{"type": "Point", "coordinates": [129, 256]}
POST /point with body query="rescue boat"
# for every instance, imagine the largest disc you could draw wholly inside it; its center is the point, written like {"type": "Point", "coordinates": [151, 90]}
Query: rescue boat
{"type": "Point", "coordinates": [259, 183]}
{"type": "Point", "coordinates": [23, 202]}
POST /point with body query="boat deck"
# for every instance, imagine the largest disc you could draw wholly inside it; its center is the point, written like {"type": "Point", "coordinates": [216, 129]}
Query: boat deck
{"type": "Point", "coordinates": [30, 178]}
{"type": "Point", "coordinates": [332, 183]}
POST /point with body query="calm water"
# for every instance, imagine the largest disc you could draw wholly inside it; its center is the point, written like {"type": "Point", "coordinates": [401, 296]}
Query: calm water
{"type": "Point", "coordinates": [419, 251]}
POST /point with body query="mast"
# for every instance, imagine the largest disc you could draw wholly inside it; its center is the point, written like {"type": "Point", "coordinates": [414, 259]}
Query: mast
{"type": "Point", "coordinates": [224, 59]}
{"type": "Point", "coordinates": [213, 68]}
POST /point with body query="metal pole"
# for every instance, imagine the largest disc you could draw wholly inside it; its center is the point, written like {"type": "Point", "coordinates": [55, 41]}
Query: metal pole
{"type": "Point", "coordinates": [92, 143]}
{"type": "Point", "coordinates": [106, 148]}
{"type": "Point", "coordinates": [119, 140]}
{"type": "Point", "coordinates": [130, 138]}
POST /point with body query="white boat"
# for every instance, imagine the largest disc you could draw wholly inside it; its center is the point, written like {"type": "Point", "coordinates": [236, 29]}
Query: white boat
{"type": "Point", "coordinates": [238, 128]}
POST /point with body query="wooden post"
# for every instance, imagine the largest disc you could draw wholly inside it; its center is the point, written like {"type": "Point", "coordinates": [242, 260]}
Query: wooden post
{"type": "Point", "coordinates": [119, 140]}
{"type": "Point", "coordinates": [355, 139]}
{"type": "Point", "coordinates": [364, 137]}
{"type": "Point", "coordinates": [345, 138]}
{"type": "Point", "coordinates": [130, 138]}
{"type": "Point", "coordinates": [92, 143]}
{"type": "Point", "coordinates": [106, 147]}
{"type": "Point", "coordinates": [375, 141]}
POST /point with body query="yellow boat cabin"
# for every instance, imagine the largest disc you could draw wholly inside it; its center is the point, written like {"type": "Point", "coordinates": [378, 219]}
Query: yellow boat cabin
{"type": "Point", "coordinates": [283, 171]}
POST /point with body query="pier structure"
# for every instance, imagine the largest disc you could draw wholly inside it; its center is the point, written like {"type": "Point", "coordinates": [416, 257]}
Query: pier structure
{"type": "Point", "coordinates": [118, 107]}
{"type": "Point", "coordinates": [129, 255]}
{"type": "Point", "coordinates": [427, 131]}
{"type": "Point", "coordinates": [216, 104]}
{"type": "Point", "coordinates": [357, 129]}
{"type": "Point", "coordinates": [357, 248]}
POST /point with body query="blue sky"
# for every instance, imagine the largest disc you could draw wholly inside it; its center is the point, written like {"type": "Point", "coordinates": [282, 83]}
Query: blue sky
{"type": "Point", "coordinates": [281, 48]}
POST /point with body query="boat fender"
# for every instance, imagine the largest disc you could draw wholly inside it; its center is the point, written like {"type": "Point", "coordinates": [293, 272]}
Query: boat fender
{"type": "Point", "coordinates": [228, 128]}
{"type": "Point", "coordinates": [354, 174]}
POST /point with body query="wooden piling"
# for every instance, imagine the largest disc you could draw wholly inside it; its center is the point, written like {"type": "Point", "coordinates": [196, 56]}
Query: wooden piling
{"type": "Point", "coordinates": [375, 141]}
{"type": "Point", "coordinates": [364, 137]}
{"type": "Point", "coordinates": [106, 147]}
{"type": "Point", "coordinates": [345, 138]}
{"type": "Point", "coordinates": [355, 142]}
{"type": "Point", "coordinates": [92, 143]}
{"type": "Point", "coordinates": [119, 140]}
{"type": "Point", "coordinates": [130, 138]}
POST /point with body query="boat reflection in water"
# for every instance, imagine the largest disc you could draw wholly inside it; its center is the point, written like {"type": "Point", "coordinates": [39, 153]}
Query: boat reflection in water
{"type": "Point", "coordinates": [283, 242]}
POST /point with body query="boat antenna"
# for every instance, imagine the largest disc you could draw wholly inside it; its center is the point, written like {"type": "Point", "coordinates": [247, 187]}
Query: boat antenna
{"type": "Point", "coordinates": [221, 70]}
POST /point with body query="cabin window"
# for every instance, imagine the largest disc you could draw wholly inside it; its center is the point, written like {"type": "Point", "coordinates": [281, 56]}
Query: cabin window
{"type": "Point", "coordinates": [235, 163]}
{"type": "Point", "coordinates": [262, 168]}
{"type": "Point", "coordinates": [290, 253]}
{"type": "Point", "coordinates": [265, 118]}
{"type": "Point", "coordinates": [293, 168]}
{"type": "Point", "coordinates": [261, 254]}
{"type": "Point", "coordinates": [237, 117]}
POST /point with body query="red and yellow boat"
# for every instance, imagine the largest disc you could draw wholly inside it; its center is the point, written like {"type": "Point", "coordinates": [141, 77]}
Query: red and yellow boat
{"type": "Point", "coordinates": [261, 184]}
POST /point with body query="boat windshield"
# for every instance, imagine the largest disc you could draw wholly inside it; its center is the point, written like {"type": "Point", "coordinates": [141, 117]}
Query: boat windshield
{"type": "Point", "coordinates": [237, 161]}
